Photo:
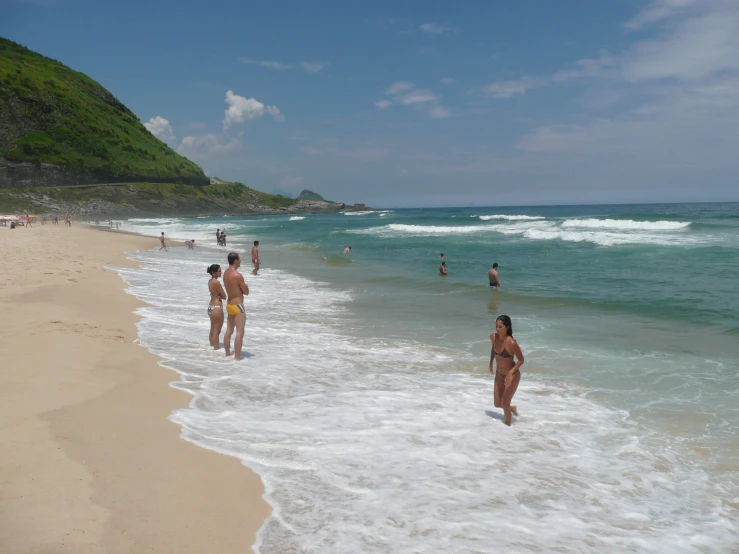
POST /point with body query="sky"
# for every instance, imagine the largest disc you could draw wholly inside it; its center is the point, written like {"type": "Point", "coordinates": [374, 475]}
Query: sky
{"type": "Point", "coordinates": [422, 102]}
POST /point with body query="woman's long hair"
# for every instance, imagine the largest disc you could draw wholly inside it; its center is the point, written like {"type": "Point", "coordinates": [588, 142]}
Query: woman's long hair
{"type": "Point", "coordinates": [506, 321]}
{"type": "Point", "coordinates": [214, 269]}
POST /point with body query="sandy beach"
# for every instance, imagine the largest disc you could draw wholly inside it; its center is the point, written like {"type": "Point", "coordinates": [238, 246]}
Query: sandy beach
{"type": "Point", "coordinates": [90, 462]}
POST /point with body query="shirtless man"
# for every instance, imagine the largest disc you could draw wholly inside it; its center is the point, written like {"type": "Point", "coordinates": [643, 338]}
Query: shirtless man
{"type": "Point", "coordinates": [255, 257]}
{"type": "Point", "coordinates": [493, 276]}
{"type": "Point", "coordinates": [190, 244]}
{"type": "Point", "coordinates": [236, 288]}
{"type": "Point", "coordinates": [442, 268]}
{"type": "Point", "coordinates": [347, 249]}
{"type": "Point", "coordinates": [164, 245]}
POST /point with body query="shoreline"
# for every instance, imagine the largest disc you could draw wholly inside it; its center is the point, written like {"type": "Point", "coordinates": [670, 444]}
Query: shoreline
{"type": "Point", "coordinates": [91, 461]}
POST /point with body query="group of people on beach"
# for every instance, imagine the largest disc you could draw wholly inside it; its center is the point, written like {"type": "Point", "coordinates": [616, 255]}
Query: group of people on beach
{"type": "Point", "coordinates": [505, 353]}
{"type": "Point", "coordinates": [236, 289]}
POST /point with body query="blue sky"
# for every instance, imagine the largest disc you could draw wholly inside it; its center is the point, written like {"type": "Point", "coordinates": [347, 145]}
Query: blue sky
{"type": "Point", "coordinates": [423, 103]}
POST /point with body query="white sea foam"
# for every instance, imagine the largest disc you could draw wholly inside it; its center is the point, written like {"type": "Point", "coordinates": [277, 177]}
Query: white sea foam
{"type": "Point", "coordinates": [509, 217]}
{"type": "Point", "coordinates": [626, 224]}
{"type": "Point", "coordinates": [369, 445]}
{"type": "Point", "coordinates": [398, 229]}
{"type": "Point", "coordinates": [545, 230]}
{"type": "Point", "coordinates": [296, 218]}
{"type": "Point", "coordinates": [360, 213]}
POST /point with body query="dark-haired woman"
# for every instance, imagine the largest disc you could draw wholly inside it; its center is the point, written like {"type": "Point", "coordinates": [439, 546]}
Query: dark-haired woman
{"type": "Point", "coordinates": [215, 308]}
{"type": "Point", "coordinates": [508, 361]}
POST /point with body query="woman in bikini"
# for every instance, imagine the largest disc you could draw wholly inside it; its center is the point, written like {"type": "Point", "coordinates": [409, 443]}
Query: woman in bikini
{"type": "Point", "coordinates": [215, 308]}
{"type": "Point", "coordinates": [507, 371]}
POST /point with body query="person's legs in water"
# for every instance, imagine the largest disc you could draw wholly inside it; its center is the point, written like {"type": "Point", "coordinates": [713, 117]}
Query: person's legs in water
{"type": "Point", "coordinates": [216, 324]}
{"type": "Point", "coordinates": [508, 409]}
{"type": "Point", "coordinates": [229, 331]}
{"type": "Point", "coordinates": [239, 340]}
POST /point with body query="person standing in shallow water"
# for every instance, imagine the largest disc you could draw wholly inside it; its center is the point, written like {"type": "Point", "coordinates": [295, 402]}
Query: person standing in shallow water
{"type": "Point", "coordinates": [237, 289]}
{"type": "Point", "coordinates": [493, 276]}
{"type": "Point", "coordinates": [508, 358]}
{"type": "Point", "coordinates": [215, 307]}
{"type": "Point", "coordinates": [255, 257]}
{"type": "Point", "coordinates": [442, 268]}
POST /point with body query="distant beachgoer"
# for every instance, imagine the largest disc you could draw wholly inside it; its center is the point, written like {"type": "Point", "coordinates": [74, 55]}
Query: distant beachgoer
{"type": "Point", "coordinates": [347, 249]}
{"type": "Point", "coordinates": [442, 268]}
{"type": "Point", "coordinates": [507, 371]}
{"type": "Point", "coordinates": [223, 238]}
{"type": "Point", "coordinates": [12, 224]}
{"type": "Point", "coordinates": [68, 220]}
{"type": "Point", "coordinates": [493, 276]}
{"type": "Point", "coordinates": [117, 225]}
{"type": "Point", "coordinates": [56, 220]}
{"type": "Point", "coordinates": [237, 289]}
{"type": "Point", "coordinates": [215, 308]}
{"type": "Point", "coordinates": [190, 244]}
{"type": "Point", "coordinates": [164, 245]}
{"type": "Point", "coordinates": [218, 237]}
{"type": "Point", "coordinates": [441, 255]}
{"type": "Point", "coordinates": [255, 257]}
{"type": "Point", "coordinates": [28, 221]}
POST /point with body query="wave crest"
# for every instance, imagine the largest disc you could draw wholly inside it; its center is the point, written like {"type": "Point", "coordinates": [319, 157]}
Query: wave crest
{"type": "Point", "coordinates": [626, 224]}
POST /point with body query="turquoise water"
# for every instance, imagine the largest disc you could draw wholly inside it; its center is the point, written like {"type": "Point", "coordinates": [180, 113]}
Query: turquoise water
{"type": "Point", "coordinates": [627, 316]}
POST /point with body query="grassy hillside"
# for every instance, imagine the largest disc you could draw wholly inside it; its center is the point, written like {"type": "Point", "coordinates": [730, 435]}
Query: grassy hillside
{"type": "Point", "coordinates": [306, 194]}
{"type": "Point", "coordinates": [52, 114]}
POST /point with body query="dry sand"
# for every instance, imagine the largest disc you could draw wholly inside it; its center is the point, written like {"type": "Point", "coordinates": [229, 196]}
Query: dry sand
{"type": "Point", "coordinates": [88, 460]}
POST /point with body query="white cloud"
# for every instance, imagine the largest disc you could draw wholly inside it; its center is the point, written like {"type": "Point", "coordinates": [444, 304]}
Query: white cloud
{"type": "Point", "coordinates": [657, 10]}
{"type": "Point", "coordinates": [439, 112]}
{"type": "Point", "coordinates": [433, 28]}
{"type": "Point", "coordinates": [308, 67]}
{"type": "Point", "coordinates": [161, 129]}
{"type": "Point", "coordinates": [679, 97]}
{"type": "Point", "coordinates": [313, 67]}
{"type": "Point", "coordinates": [201, 147]}
{"type": "Point", "coordinates": [448, 80]}
{"type": "Point", "coordinates": [400, 86]}
{"type": "Point", "coordinates": [509, 89]}
{"type": "Point", "coordinates": [242, 109]}
{"type": "Point", "coordinates": [416, 97]}
{"type": "Point", "coordinates": [695, 48]}
{"type": "Point", "coordinates": [267, 64]}
{"type": "Point", "coordinates": [405, 93]}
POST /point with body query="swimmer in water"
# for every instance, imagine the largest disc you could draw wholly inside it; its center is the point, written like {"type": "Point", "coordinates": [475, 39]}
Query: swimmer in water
{"type": "Point", "coordinates": [347, 249]}
{"type": "Point", "coordinates": [508, 361]}
{"type": "Point", "coordinates": [442, 268]}
{"type": "Point", "coordinates": [215, 308]}
{"type": "Point", "coordinates": [493, 276]}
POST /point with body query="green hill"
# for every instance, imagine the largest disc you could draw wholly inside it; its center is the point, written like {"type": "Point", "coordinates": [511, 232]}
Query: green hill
{"type": "Point", "coordinates": [51, 114]}
{"type": "Point", "coordinates": [310, 195]}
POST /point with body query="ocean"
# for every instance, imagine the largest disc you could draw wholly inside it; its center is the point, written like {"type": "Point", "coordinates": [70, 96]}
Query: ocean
{"type": "Point", "coordinates": [365, 403]}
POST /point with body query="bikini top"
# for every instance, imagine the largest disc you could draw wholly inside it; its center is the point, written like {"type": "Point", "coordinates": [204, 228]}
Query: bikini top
{"type": "Point", "coordinates": [212, 294]}
{"type": "Point", "coordinates": [503, 354]}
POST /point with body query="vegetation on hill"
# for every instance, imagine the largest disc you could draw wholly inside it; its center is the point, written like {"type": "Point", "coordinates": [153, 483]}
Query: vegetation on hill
{"type": "Point", "coordinates": [310, 195]}
{"type": "Point", "coordinates": [52, 114]}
